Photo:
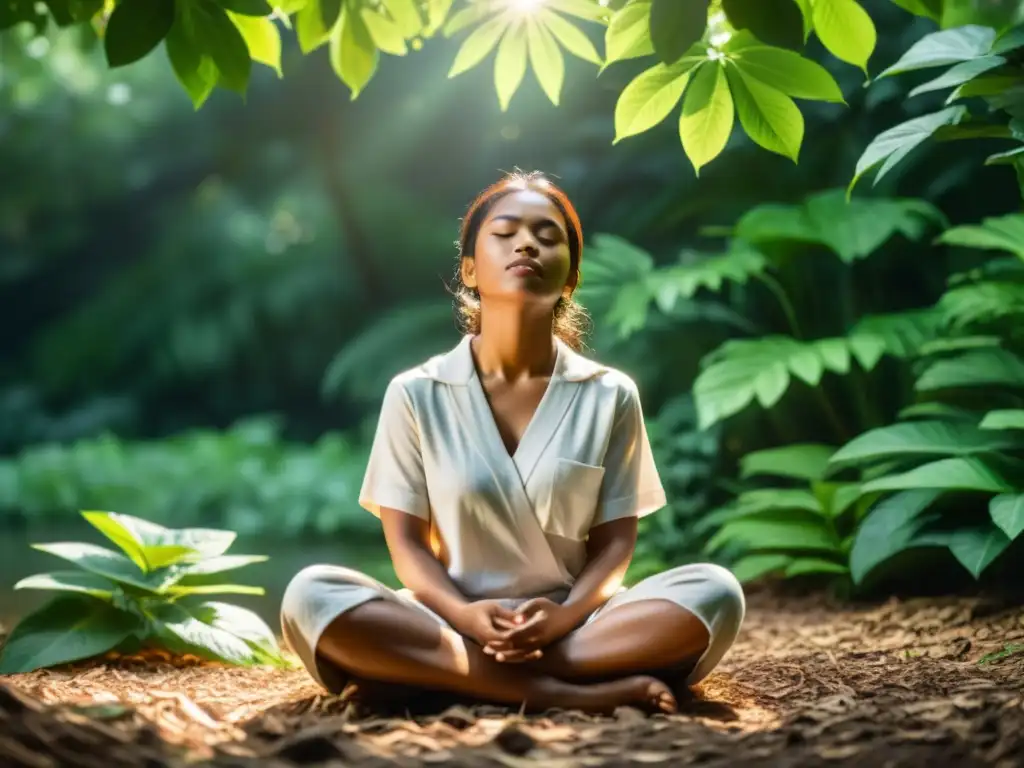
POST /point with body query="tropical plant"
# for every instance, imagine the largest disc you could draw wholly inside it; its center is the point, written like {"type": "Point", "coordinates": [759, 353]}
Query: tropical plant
{"type": "Point", "coordinates": [985, 78]}
{"type": "Point", "coordinates": [140, 597]}
{"type": "Point", "coordinates": [723, 59]}
{"type": "Point", "coordinates": [950, 473]}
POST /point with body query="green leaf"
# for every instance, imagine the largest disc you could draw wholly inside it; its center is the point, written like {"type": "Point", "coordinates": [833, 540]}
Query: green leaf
{"type": "Point", "coordinates": [892, 145]}
{"type": "Point", "coordinates": [406, 16]}
{"type": "Point", "coordinates": [466, 18]}
{"type": "Point", "coordinates": [480, 42]}
{"type": "Point", "coordinates": [110, 526]}
{"type": "Point", "coordinates": [788, 72]}
{"type": "Point", "coordinates": [218, 38]}
{"type": "Point", "coordinates": [708, 115]}
{"type": "Point", "coordinates": [221, 564]}
{"type": "Point", "coordinates": [975, 303]}
{"type": "Point", "coordinates": [769, 117]}
{"type": "Point", "coordinates": [675, 25]}
{"type": "Point", "coordinates": [241, 623]}
{"type": "Point", "coordinates": [651, 96]}
{"type": "Point", "coordinates": [1010, 157]}
{"type": "Point", "coordinates": [330, 11]}
{"type": "Point", "coordinates": [806, 566]}
{"type": "Point", "coordinates": [135, 28]}
{"type": "Point", "coordinates": [791, 531]}
{"type": "Point", "coordinates": [310, 28]}
{"type": "Point", "coordinates": [920, 439]}
{"type": "Point", "coordinates": [99, 560]}
{"type": "Point", "coordinates": [976, 368]}
{"type": "Point", "coordinates": [930, 9]}
{"type": "Point", "coordinates": [262, 39]}
{"type": "Point", "coordinates": [353, 54]}
{"type": "Point", "coordinates": [975, 548]}
{"type": "Point", "coordinates": [1010, 40]}
{"type": "Point", "coordinates": [1012, 418]}
{"type": "Point", "coordinates": [183, 632]}
{"type": "Point", "coordinates": [386, 35]}
{"type": "Point", "coordinates": [755, 566]}
{"type": "Point", "coordinates": [83, 582]}
{"type": "Point", "coordinates": [805, 461]}
{"type": "Point", "coordinates": [738, 265]}
{"type": "Point", "coordinates": [69, 628]}
{"type": "Point", "coordinates": [570, 36]}
{"type": "Point", "coordinates": [546, 59]}
{"type": "Point", "coordinates": [1007, 511]}
{"type": "Point", "coordinates": [158, 546]}
{"type": "Point", "coordinates": [65, 12]}
{"type": "Point", "coordinates": [1005, 233]}
{"type": "Point", "coordinates": [940, 49]}
{"type": "Point", "coordinates": [197, 73]}
{"type": "Point", "coordinates": [845, 29]}
{"type": "Point", "coordinates": [960, 74]}
{"type": "Point", "coordinates": [959, 474]}
{"type": "Point", "coordinates": [437, 13]}
{"type": "Point", "coordinates": [773, 22]}
{"type": "Point", "coordinates": [628, 35]}
{"type": "Point", "coordinates": [186, 587]}
{"type": "Point", "coordinates": [247, 7]}
{"type": "Point", "coordinates": [589, 10]}
{"type": "Point", "coordinates": [888, 530]}
{"type": "Point", "coordinates": [510, 64]}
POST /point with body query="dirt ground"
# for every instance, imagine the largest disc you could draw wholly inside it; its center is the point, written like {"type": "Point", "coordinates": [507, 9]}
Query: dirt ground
{"type": "Point", "coordinates": [808, 683]}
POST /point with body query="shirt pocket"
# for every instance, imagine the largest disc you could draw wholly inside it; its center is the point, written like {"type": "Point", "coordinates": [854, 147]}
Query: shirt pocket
{"type": "Point", "coordinates": [575, 490]}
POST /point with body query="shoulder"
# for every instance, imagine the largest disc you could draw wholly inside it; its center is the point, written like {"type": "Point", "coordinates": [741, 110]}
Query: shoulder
{"type": "Point", "coordinates": [607, 382]}
{"type": "Point", "coordinates": [410, 384]}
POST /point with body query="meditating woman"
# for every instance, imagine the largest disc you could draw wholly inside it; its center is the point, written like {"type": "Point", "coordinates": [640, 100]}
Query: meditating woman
{"type": "Point", "coordinates": [509, 474]}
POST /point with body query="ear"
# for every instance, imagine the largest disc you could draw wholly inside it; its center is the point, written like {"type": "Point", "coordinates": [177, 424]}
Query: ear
{"type": "Point", "coordinates": [467, 268]}
{"type": "Point", "coordinates": [572, 283]}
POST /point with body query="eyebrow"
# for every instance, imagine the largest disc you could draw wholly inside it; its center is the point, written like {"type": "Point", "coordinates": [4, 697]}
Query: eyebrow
{"type": "Point", "coordinates": [544, 222]}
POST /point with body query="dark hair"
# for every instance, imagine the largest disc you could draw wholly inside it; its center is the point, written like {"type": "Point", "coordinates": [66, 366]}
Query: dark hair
{"type": "Point", "coordinates": [571, 320]}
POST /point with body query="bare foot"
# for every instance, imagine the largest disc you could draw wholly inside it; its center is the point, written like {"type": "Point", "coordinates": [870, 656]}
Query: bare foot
{"type": "Point", "coordinates": [651, 695]}
{"type": "Point", "coordinates": [646, 693]}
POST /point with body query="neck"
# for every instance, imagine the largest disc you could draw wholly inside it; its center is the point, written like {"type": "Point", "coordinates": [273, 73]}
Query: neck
{"type": "Point", "coordinates": [513, 343]}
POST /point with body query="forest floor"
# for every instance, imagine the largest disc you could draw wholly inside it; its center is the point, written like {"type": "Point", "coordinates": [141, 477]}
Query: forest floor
{"type": "Point", "coordinates": [808, 683]}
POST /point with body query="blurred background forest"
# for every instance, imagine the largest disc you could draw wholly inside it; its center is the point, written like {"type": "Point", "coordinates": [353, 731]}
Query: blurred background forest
{"type": "Point", "coordinates": [201, 309]}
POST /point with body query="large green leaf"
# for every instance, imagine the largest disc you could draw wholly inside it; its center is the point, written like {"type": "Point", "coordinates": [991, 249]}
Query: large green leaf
{"type": "Point", "coordinates": [628, 34]}
{"type": "Point", "coordinates": [752, 567]}
{"type": "Point", "coordinates": [354, 55]}
{"type": "Point", "coordinates": [788, 72]}
{"type": "Point", "coordinates": [82, 582]}
{"type": "Point", "coordinates": [187, 586]}
{"type": "Point", "coordinates": [135, 28]}
{"type": "Point", "coordinates": [247, 7]}
{"type": "Point", "coordinates": [406, 16]}
{"type": "Point", "coordinates": [807, 566]}
{"type": "Point", "coordinates": [220, 564]}
{"type": "Point", "coordinates": [1011, 418]}
{"type": "Point", "coordinates": [480, 42]}
{"type": "Point", "coordinates": [649, 97]}
{"type": "Point", "coordinates": [976, 368]}
{"type": "Point", "coordinates": [948, 46]}
{"type": "Point", "coordinates": [386, 35]}
{"type": "Point", "coordinates": [1007, 511]}
{"type": "Point", "coordinates": [920, 439]}
{"type": "Point", "coordinates": [104, 562]}
{"type": "Point", "coordinates": [195, 71]}
{"type": "Point", "coordinates": [805, 461]}
{"type": "Point", "coordinates": [216, 37]}
{"type": "Point", "coordinates": [1005, 233]}
{"type": "Point", "coordinates": [892, 145]}
{"type": "Point", "coordinates": [69, 628]}
{"type": "Point", "coordinates": [975, 547]}
{"type": "Point", "coordinates": [310, 28]}
{"type": "Point", "coordinates": [571, 37]}
{"type": "Point", "coordinates": [788, 531]}
{"type": "Point", "coordinates": [708, 114]}
{"type": "Point", "coordinates": [968, 305]}
{"type": "Point", "coordinates": [675, 25]}
{"type": "Point", "coordinates": [930, 9]}
{"type": "Point", "coordinates": [262, 39]}
{"type": "Point", "coordinates": [960, 74]}
{"type": "Point", "coordinates": [709, 273]}
{"type": "Point", "coordinates": [845, 29]}
{"type": "Point", "coordinates": [184, 632]}
{"type": "Point", "coordinates": [546, 60]}
{"type": "Point", "coordinates": [956, 474]}
{"type": "Point", "coordinates": [241, 623]}
{"type": "Point", "coordinates": [149, 546]}
{"type": "Point", "coordinates": [773, 22]}
{"type": "Point", "coordinates": [853, 230]}
{"type": "Point", "coordinates": [888, 529]}
{"type": "Point", "coordinates": [769, 117]}
{"type": "Point", "coordinates": [510, 64]}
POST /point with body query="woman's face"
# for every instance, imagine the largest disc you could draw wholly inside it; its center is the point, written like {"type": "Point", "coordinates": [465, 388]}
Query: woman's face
{"type": "Point", "coordinates": [522, 251]}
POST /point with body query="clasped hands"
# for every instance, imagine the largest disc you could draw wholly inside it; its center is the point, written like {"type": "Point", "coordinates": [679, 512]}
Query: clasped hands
{"type": "Point", "coordinates": [516, 635]}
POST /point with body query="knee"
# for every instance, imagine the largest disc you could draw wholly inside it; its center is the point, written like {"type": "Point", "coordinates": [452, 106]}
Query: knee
{"type": "Point", "coordinates": [310, 581]}
{"type": "Point", "coordinates": [727, 596]}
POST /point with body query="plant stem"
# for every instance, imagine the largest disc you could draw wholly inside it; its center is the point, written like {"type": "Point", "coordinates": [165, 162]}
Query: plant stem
{"type": "Point", "coordinates": [787, 306]}
{"type": "Point", "coordinates": [832, 415]}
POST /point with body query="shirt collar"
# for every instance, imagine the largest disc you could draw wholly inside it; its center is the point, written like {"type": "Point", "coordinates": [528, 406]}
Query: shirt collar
{"type": "Point", "coordinates": [456, 366]}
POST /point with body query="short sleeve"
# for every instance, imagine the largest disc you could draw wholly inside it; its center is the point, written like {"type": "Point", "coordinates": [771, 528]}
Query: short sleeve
{"type": "Point", "coordinates": [394, 474]}
{"type": "Point", "coordinates": [631, 485]}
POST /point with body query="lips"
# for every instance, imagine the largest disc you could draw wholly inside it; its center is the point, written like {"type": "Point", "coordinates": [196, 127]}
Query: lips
{"type": "Point", "coordinates": [525, 263]}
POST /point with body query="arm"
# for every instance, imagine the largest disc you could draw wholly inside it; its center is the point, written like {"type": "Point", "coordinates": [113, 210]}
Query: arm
{"type": "Point", "coordinates": [609, 552]}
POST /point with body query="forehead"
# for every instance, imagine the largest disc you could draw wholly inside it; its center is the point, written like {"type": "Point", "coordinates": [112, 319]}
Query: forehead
{"type": "Point", "coordinates": [527, 204]}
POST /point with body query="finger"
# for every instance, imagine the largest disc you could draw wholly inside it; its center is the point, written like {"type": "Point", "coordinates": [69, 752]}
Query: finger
{"type": "Point", "coordinates": [514, 657]}
{"type": "Point", "coordinates": [504, 623]}
{"type": "Point", "coordinates": [526, 626]}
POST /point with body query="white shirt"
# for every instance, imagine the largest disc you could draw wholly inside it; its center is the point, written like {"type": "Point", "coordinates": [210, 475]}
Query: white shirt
{"type": "Point", "coordinates": [512, 526]}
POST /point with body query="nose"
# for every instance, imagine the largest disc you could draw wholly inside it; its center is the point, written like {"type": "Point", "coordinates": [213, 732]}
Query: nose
{"type": "Point", "coordinates": [526, 242]}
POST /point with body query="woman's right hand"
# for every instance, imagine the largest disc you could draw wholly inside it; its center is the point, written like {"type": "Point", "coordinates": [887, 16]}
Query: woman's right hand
{"type": "Point", "coordinates": [488, 621]}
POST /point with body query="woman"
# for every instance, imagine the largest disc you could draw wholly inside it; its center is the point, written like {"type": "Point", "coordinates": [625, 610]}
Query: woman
{"type": "Point", "coordinates": [509, 475]}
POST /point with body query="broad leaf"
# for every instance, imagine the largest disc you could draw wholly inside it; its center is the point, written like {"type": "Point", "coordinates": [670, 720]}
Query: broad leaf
{"type": "Point", "coordinates": [241, 623]}
{"type": "Point", "coordinates": [588, 10]}
{"type": "Point", "coordinates": [738, 265]}
{"type": "Point", "coordinates": [104, 562]}
{"type": "Point", "coordinates": [930, 9]}
{"type": "Point", "coordinates": [888, 530]}
{"type": "Point", "coordinates": [247, 7]}
{"type": "Point", "coordinates": [262, 39]}
{"type": "Point", "coordinates": [792, 531]}
{"type": "Point", "coordinates": [960, 74]}
{"type": "Point", "coordinates": [845, 29]}
{"type": "Point", "coordinates": [651, 96]}
{"type": "Point", "coordinates": [804, 461]}
{"type": "Point", "coordinates": [546, 60]}
{"type": "Point", "coordinates": [406, 16]}
{"type": "Point", "coordinates": [183, 632]}
{"type": "Point", "coordinates": [920, 439]}
{"type": "Point", "coordinates": [386, 35]}
{"type": "Point", "coordinates": [752, 567]}
{"type": "Point", "coordinates": [83, 582]}
{"type": "Point", "coordinates": [187, 587]}
{"type": "Point", "coordinates": [195, 71]}
{"type": "Point", "coordinates": [788, 72]}
{"type": "Point", "coordinates": [353, 53]}
{"type": "Point", "coordinates": [570, 36]}
{"type": "Point", "coordinates": [220, 564]}
{"type": "Point", "coordinates": [310, 28]}
{"type": "Point", "coordinates": [510, 64]}
{"type": "Point", "coordinates": [773, 22]}
{"type": "Point", "coordinates": [956, 474]}
{"type": "Point", "coordinates": [467, 17]}
{"type": "Point", "coordinates": [628, 34]}
{"type": "Point", "coordinates": [940, 49]}
{"type": "Point", "coordinates": [892, 145]}
{"type": "Point", "coordinates": [976, 368]}
{"type": "Point", "coordinates": [480, 42]}
{"type": "Point", "coordinates": [218, 38]}
{"type": "Point", "coordinates": [135, 28]}
{"type": "Point", "coordinates": [707, 118]}
{"type": "Point", "coordinates": [806, 566]}
{"type": "Point", "coordinates": [975, 547]}
{"type": "Point", "coordinates": [1007, 511]}
{"type": "Point", "coordinates": [675, 25]}
{"type": "Point", "coordinates": [1005, 419]}
{"type": "Point", "coordinates": [69, 628]}
{"type": "Point", "coordinates": [969, 305]}
{"type": "Point", "coordinates": [769, 117]}
{"type": "Point", "coordinates": [1005, 233]}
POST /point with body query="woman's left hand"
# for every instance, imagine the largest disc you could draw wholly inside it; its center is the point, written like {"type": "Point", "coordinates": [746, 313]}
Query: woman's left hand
{"type": "Point", "coordinates": [538, 623]}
